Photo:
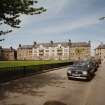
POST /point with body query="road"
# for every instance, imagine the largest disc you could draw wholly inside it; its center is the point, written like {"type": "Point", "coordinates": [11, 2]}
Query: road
{"type": "Point", "coordinates": [54, 85]}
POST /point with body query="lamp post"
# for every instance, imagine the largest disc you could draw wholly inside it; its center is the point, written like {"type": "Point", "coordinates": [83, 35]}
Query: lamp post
{"type": "Point", "coordinates": [69, 43]}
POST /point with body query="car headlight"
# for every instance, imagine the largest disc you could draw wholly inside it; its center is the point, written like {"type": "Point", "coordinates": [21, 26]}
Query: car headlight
{"type": "Point", "coordinates": [69, 71]}
{"type": "Point", "coordinates": [84, 72]}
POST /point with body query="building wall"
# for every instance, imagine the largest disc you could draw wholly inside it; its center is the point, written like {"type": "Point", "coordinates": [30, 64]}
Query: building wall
{"type": "Point", "coordinates": [100, 53]}
{"type": "Point", "coordinates": [58, 52]}
{"type": "Point", "coordinates": [24, 54]}
{"type": "Point", "coordinates": [79, 53]}
{"type": "Point", "coordinates": [8, 55]}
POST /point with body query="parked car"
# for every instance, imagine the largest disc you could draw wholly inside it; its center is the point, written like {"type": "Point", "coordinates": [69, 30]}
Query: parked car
{"type": "Point", "coordinates": [96, 62]}
{"type": "Point", "coordinates": [81, 70]}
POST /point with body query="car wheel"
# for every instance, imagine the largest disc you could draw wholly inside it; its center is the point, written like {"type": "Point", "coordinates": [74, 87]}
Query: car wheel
{"type": "Point", "coordinates": [89, 77]}
{"type": "Point", "coordinates": [69, 78]}
{"type": "Point", "coordinates": [95, 69]}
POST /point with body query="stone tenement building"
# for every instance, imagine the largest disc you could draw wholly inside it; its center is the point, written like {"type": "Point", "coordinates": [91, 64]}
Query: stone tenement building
{"type": "Point", "coordinates": [100, 52]}
{"type": "Point", "coordinates": [8, 53]}
{"type": "Point", "coordinates": [54, 51]}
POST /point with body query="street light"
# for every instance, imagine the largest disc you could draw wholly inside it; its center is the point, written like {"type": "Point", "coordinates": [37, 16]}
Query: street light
{"type": "Point", "coordinates": [69, 43]}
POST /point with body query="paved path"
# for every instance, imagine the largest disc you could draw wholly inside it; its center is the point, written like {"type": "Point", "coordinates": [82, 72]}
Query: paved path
{"type": "Point", "coordinates": [54, 85]}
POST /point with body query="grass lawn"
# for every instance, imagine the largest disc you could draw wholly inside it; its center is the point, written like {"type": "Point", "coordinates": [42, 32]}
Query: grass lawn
{"type": "Point", "coordinates": [4, 64]}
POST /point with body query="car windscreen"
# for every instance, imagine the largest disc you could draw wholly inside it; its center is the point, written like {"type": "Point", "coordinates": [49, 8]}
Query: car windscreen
{"type": "Point", "coordinates": [78, 67]}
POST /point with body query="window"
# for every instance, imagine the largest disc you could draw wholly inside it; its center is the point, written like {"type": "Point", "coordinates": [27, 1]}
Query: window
{"type": "Point", "coordinates": [41, 50]}
{"type": "Point", "coordinates": [29, 51]}
{"type": "Point", "coordinates": [59, 49]}
{"type": "Point", "coordinates": [65, 50]}
{"type": "Point", "coordinates": [47, 50]}
{"type": "Point", "coordinates": [35, 51]}
{"type": "Point", "coordinates": [53, 50]}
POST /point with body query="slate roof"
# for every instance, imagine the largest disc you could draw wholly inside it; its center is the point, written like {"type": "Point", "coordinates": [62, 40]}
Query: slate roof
{"type": "Point", "coordinates": [65, 44]}
{"type": "Point", "coordinates": [8, 49]}
{"type": "Point", "coordinates": [54, 44]}
{"type": "Point", "coordinates": [27, 47]}
{"type": "Point", "coordinates": [101, 46]}
{"type": "Point", "coordinates": [80, 44]}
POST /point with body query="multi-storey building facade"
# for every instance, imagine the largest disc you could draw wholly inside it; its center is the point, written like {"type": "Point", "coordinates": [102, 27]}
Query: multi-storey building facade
{"type": "Point", "coordinates": [81, 50]}
{"type": "Point", "coordinates": [54, 51]}
{"type": "Point", "coordinates": [24, 52]}
{"type": "Point", "coordinates": [100, 52]}
{"type": "Point", "coordinates": [8, 53]}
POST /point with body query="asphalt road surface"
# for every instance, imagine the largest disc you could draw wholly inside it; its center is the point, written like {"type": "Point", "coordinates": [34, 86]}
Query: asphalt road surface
{"type": "Point", "coordinates": [54, 85]}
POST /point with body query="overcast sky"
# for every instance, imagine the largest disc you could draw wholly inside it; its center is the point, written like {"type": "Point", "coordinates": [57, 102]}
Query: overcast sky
{"type": "Point", "coordinates": [77, 20]}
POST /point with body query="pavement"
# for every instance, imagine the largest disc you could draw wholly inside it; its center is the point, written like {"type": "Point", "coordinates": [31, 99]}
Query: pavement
{"type": "Point", "coordinates": [54, 85]}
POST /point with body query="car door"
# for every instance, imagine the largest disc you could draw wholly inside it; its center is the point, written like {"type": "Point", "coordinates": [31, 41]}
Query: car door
{"type": "Point", "coordinates": [92, 67]}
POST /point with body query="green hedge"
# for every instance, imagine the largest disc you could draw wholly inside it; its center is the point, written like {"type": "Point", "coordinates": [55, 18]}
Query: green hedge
{"type": "Point", "coordinates": [4, 64]}
{"type": "Point", "coordinates": [8, 73]}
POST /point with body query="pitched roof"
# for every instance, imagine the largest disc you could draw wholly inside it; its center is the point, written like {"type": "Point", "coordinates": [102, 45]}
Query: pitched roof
{"type": "Point", "coordinates": [8, 49]}
{"type": "Point", "coordinates": [80, 44]}
{"type": "Point", "coordinates": [101, 46]}
{"type": "Point", "coordinates": [27, 47]}
{"type": "Point", "coordinates": [64, 44]}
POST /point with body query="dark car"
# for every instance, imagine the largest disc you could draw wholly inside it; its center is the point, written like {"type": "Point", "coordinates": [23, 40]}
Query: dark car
{"type": "Point", "coordinates": [96, 62]}
{"type": "Point", "coordinates": [81, 70]}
